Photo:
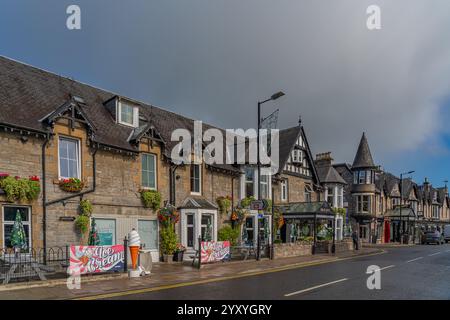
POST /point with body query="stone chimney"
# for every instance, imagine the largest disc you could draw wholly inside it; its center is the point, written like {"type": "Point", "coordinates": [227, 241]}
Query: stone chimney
{"type": "Point", "coordinates": [324, 159]}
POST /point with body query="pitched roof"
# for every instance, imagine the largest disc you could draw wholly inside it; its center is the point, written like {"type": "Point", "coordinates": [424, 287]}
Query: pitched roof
{"type": "Point", "coordinates": [363, 158]}
{"type": "Point", "coordinates": [197, 202]}
{"type": "Point", "coordinates": [328, 174]}
{"type": "Point", "coordinates": [29, 94]}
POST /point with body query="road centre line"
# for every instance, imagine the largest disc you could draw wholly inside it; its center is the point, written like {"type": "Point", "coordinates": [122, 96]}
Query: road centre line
{"type": "Point", "coordinates": [414, 259]}
{"type": "Point", "coordinates": [433, 254]}
{"type": "Point", "coordinates": [315, 287]}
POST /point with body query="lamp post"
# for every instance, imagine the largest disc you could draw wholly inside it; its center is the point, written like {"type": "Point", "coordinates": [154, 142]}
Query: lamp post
{"type": "Point", "coordinates": [401, 198]}
{"type": "Point", "coordinates": [273, 97]}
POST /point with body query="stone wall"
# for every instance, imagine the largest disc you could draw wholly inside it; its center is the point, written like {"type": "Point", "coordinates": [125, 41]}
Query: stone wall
{"type": "Point", "coordinates": [285, 250]}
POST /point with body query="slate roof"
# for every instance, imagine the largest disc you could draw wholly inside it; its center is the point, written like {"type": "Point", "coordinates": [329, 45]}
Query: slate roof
{"type": "Point", "coordinates": [29, 94]}
{"type": "Point", "coordinates": [363, 157]}
{"type": "Point", "coordinates": [328, 174]}
{"type": "Point", "coordinates": [197, 202]}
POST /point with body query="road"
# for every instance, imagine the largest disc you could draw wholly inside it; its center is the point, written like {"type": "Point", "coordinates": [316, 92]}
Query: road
{"type": "Point", "coordinates": [418, 272]}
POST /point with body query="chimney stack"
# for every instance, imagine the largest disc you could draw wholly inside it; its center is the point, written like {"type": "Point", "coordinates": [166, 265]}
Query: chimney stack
{"type": "Point", "coordinates": [324, 159]}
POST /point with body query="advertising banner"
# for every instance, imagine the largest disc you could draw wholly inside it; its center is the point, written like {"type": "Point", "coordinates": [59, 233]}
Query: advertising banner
{"type": "Point", "coordinates": [95, 259]}
{"type": "Point", "coordinates": [214, 251]}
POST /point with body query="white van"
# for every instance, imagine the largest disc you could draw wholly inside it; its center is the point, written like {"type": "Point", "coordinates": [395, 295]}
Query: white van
{"type": "Point", "coordinates": [447, 233]}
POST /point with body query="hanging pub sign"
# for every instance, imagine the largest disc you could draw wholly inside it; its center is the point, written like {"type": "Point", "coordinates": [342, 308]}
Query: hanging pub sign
{"type": "Point", "coordinates": [214, 251]}
{"type": "Point", "coordinates": [95, 259]}
{"type": "Point", "coordinates": [257, 205]}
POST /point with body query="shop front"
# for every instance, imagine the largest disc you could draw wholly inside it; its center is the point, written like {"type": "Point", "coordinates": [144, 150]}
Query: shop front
{"type": "Point", "coordinates": [401, 224]}
{"type": "Point", "coordinates": [308, 222]}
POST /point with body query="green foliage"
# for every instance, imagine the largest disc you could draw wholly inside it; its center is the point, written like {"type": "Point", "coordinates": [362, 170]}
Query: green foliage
{"type": "Point", "coordinates": [169, 240]}
{"type": "Point", "coordinates": [82, 223]}
{"type": "Point", "coordinates": [71, 185]}
{"type": "Point", "coordinates": [224, 204]}
{"type": "Point", "coordinates": [245, 203]}
{"type": "Point", "coordinates": [227, 233]}
{"type": "Point", "coordinates": [339, 211]}
{"type": "Point", "coordinates": [85, 208]}
{"type": "Point", "coordinates": [20, 189]}
{"type": "Point", "coordinates": [151, 199]}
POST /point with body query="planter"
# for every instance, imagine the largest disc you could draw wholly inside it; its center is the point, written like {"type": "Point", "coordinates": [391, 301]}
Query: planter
{"type": "Point", "coordinates": [178, 256]}
{"type": "Point", "coordinates": [168, 258]}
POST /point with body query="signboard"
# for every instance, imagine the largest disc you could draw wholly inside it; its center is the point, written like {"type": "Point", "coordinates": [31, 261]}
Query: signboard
{"type": "Point", "coordinates": [257, 205]}
{"type": "Point", "coordinates": [95, 259]}
{"type": "Point", "coordinates": [214, 251]}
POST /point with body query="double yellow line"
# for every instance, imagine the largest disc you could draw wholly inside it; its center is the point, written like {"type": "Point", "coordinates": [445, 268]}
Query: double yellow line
{"type": "Point", "coordinates": [225, 278]}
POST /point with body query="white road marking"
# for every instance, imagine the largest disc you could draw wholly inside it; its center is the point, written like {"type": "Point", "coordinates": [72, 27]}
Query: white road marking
{"type": "Point", "coordinates": [384, 268]}
{"type": "Point", "coordinates": [414, 259]}
{"type": "Point", "coordinates": [433, 254]}
{"type": "Point", "coordinates": [315, 287]}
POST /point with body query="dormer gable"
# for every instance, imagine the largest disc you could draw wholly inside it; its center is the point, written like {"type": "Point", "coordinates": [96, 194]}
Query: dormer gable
{"type": "Point", "coordinates": [124, 111]}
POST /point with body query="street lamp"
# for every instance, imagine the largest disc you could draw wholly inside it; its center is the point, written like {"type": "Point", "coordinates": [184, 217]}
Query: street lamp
{"type": "Point", "coordinates": [401, 198]}
{"type": "Point", "coordinates": [273, 97]}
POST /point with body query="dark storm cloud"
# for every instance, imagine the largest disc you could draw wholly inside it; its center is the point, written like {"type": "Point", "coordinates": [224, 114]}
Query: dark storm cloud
{"type": "Point", "coordinates": [213, 60]}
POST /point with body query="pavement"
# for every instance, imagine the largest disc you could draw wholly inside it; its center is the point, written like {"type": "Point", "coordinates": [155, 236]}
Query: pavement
{"type": "Point", "coordinates": [172, 276]}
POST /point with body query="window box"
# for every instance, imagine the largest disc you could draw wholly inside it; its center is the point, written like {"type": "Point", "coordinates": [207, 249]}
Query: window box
{"type": "Point", "coordinates": [71, 185]}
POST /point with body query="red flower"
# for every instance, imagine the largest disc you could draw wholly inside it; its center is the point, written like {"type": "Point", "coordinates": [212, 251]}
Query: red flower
{"type": "Point", "coordinates": [4, 174]}
{"type": "Point", "coordinates": [34, 178]}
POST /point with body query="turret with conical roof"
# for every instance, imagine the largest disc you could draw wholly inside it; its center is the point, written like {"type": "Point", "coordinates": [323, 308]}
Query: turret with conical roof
{"type": "Point", "coordinates": [363, 187]}
{"type": "Point", "coordinates": [363, 157]}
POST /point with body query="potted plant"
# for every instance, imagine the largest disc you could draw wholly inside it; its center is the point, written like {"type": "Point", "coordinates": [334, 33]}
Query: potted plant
{"type": "Point", "coordinates": [168, 243]}
{"type": "Point", "coordinates": [71, 185]}
{"type": "Point", "coordinates": [179, 252]}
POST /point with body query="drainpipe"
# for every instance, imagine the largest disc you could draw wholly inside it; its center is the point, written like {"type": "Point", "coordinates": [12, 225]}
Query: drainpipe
{"type": "Point", "coordinates": [44, 198]}
{"type": "Point", "coordinates": [172, 194]}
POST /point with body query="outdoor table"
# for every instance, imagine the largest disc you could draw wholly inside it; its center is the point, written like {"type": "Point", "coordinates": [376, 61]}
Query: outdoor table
{"type": "Point", "coordinates": [21, 266]}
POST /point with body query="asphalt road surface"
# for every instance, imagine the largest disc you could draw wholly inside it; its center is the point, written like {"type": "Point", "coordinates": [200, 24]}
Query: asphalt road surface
{"type": "Point", "coordinates": [418, 272]}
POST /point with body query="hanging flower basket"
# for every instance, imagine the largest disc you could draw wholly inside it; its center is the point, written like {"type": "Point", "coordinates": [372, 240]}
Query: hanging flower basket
{"type": "Point", "coordinates": [224, 204]}
{"type": "Point", "coordinates": [238, 216]}
{"type": "Point", "coordinates": [168, 215]}
{"type": "Point", "coordinates": [71, 185]}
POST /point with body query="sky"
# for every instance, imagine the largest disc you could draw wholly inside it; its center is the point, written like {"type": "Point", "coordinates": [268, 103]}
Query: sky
{"type": "Point", "coordinates": [213, 60]}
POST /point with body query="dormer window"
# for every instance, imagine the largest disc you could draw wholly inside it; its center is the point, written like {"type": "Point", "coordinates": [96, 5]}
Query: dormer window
{"type": "Point", "coordinates": [128, 114]}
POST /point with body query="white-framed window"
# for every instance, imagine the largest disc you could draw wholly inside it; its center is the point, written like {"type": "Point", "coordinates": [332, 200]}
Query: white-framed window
{"type": "Point", "coordinates": [308, 192]}
{"type": "Point", "coordinates": [264, 185]}
{"type": "Point", "coordinates": [330, 195]}
{"type": "Point", "coordinates": [355, 177]}
{"type": "Point", "coordinates": [207, 227]}
{"type": "Point", "coordinates": [106, 230]}
{"type": "Point", "coordinates": [368, 177]}
{"type": "Point", "coordinates": [69, 158]}
{"type": "Point", "coordinates": [362, 177]}
{"type": "Point", "coordinates": [9, 216]}
{"type": "Point", "coordinates": [249, 182]}
{"type": "Point", "coordinates": [363, 203]}
{"type": "Point", "coordinates": [340, 197]}
{"type": "Point", "coordinates": [190, 230]}
{"type": "Point", "coordinates": [148, 171]}
{"type": "Point", "coordinates": [148, 231]}
{"type": "Point", "coordinates": [128, 114]}
{"type": "Point", "coordinates": [284, 190]}
{"type": "Point", "coordinates": [297, 156]}
{"type": "Point", "coordinates": [196, 178]}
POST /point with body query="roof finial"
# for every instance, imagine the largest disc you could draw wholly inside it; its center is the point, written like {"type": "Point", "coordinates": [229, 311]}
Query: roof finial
{"type": "Point", "coordinates": [299, 120]}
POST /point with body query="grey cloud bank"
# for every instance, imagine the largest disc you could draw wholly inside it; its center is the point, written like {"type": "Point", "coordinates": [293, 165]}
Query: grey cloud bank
{"type": "Point", "coordinates": [212, 60]}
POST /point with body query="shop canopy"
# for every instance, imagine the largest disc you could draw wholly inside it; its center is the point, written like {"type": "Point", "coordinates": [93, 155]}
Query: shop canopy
{"type": "Point", "coordinates": [307, 210]}
{"type": "Point", "coordinates": [406, 214]}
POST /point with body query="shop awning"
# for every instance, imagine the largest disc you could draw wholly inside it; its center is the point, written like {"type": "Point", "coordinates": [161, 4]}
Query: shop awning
{"type": "Point", "coordinates": [307, 210]}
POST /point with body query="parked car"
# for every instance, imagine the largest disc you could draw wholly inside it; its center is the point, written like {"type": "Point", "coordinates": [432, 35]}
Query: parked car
{"type": "Point", "coordinates": [434, 237]}
{"type": "Point", "coordinates": [447, 233]}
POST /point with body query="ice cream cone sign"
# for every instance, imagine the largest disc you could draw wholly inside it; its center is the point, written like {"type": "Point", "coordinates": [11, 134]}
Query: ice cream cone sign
{"type": "Point", "coordinates": [134, 243]}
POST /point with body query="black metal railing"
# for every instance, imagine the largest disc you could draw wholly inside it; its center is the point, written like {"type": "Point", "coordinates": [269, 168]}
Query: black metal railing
{"type": "Point", "coordinates": [37, 263]}
{"type": "Point", "coordinates": [33, 263]}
